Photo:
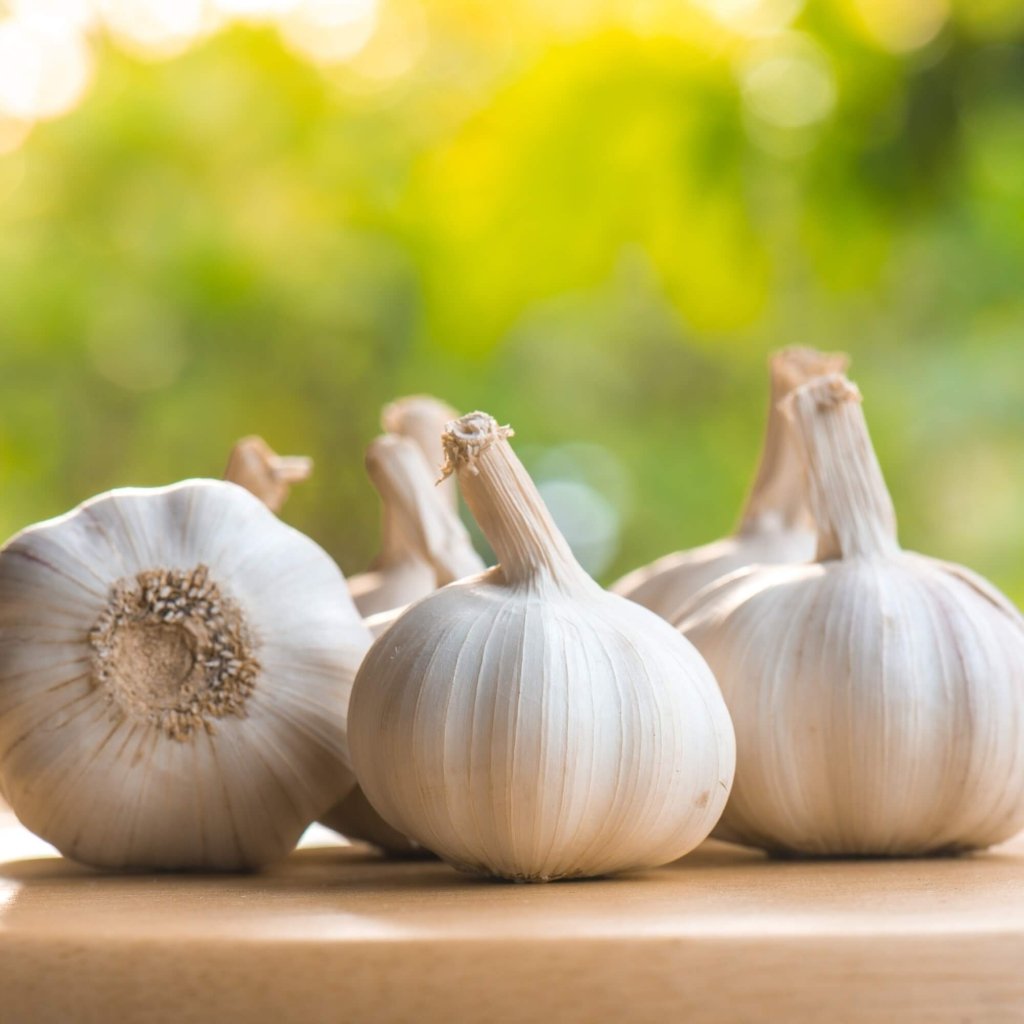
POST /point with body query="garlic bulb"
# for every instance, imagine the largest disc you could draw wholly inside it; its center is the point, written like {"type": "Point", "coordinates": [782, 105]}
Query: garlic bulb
{"type": "Point", "coordinates": [174, 674]}
{"type": "Point", "coordinates": [435, 537]}
{"type": "Point", "coordinates": [527, 724]}
{"type": "Point", "coordinates": [775, 525]}
{"type": "Point", "coordinates": [878, 695]}
{"type": "Point", "coordinates": [254, 465]}
{"type": "Point", "coordinates": [424, 544]}
{"type": "Point", "coordinates": [355, 818]}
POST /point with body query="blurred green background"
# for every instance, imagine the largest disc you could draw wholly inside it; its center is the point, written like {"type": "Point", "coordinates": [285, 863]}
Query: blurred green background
{"type": "Point", "coordinates": [592, 218]}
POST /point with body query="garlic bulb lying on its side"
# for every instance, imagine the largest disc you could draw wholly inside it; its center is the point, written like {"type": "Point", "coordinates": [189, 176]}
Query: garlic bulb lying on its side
{"type": "Point", "coordinates": [878, 696]}
{"type": "Point", "coordinates": [174, 674]}
{"type": "Point", "coordinates": [436, 536]}
{"type": "Point", "coordinates": [254, 465]}
{"type": "Point", "coordinates": [527, 724]}
{"type": "Point", "coordinates": [424, 544]}
{"type": "Point", "coordinates": [775, 525]}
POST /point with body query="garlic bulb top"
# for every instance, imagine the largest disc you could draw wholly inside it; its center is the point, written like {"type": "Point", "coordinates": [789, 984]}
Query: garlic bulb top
{"type": "Point", "coordinates": [775, 525]}
{"type": "Point", "coordinates": [254, 465]}
{"type": "Point", "coordinates": [878, 695]}
{"type": "Point", "coordinates": [526, 723]}
{"type": "Point", "coordinates": [422, 419]}
{"type": "Point", "coordinates": [174, 674]}
{"type": "Point", "coordinates": [423, 542]}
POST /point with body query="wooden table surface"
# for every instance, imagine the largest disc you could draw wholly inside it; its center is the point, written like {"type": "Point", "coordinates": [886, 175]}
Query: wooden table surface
{"type": "Point", "coordinates": [338, 934]}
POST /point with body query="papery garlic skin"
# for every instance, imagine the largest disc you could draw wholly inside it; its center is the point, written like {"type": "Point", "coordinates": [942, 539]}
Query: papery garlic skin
{"type": "Point", "coordinates": [527, 724]}
{"type": "Point", "coordinates": [174, 674]}
{"type": "Point", "coordinates": [775, 526]}
{"type": "Point", "coordinates": [877, 695]}
{"type": "Point", "coordinates": [254, 465]}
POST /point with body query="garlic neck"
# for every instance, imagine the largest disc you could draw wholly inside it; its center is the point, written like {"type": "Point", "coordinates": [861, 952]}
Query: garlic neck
{"type": "Point", "coordinates": [395, 547]}
{"type": "Point", "coordinates": [778, 499]}
{"type": "Point", "coordinates": [851, 504]}
{"type": "Point", "coordinates": [422, 419]}
{"type": "Point", "coordinates": [506, 503]}
{"type": "Point", "coordinates": [418, 522]}
{"type": "Point", "coordinates": [254, 465]}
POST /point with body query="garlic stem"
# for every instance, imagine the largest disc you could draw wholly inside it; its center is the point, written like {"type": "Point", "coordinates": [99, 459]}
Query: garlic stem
{"type": "Point", "coordinates": [254, 465]}
{"type": "Point", "coordinates": [506, 503]}
{"type": "Point", "coordinates": [395, 544]}
{"type": "Point", "coordinates": [851, 504]}
{"type": "Point", "coordinates": [777, 498]}
{"type": "Point", "coordinates": [416, 519]}
{"type": "Point", "coordinates": [422, 418]}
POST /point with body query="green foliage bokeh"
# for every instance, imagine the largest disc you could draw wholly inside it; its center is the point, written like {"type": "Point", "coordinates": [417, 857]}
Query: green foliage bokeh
{"type": "Point", "coordinates": [580, 232]}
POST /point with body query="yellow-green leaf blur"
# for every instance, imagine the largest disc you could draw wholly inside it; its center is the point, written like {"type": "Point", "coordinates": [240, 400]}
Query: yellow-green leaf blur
{"type": "Point", "coordinates": [594, 218]}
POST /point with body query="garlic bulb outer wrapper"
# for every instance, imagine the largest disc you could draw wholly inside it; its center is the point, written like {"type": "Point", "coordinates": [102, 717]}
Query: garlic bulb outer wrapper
{"type": "Point", "coordinates": [877, 695]}
{"type": "Point", "coordinates": [174, 674]}
{"type": "Point", "coordinates": [424, 543]}
{"type": "Point", "coordinates": [254, 465]}
{"type": "Point", "coordinates": [527, 724]}
{"type": "Point", "coordinates": [775, 526]}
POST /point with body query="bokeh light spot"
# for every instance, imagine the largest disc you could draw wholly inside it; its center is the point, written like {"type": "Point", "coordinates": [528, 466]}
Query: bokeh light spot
{"type": "Point", "coordinates": [135, 344]}
{"type": "Point", "coordinates": [787, 82]}
{"type": "Point", "coordinates": [589, 523]}
{"type": "Point", "coordinates": [13, 132]}
{"type": "Point", "coordinates": [45, 67]}
{"type": "Point", "coordinates": [902, 25]}
{"type": "Point", "coordinates": [396, 46]}
{"type": "Point", "coordinates": [753, 17]}
{"type": "Point", "coordinates": [330, 31]}
{"type": "Point", "coordinates": [76, 13]}
{"type": "Point", "coordinates": [255, 8]}
{"type": "Point", "coordinates": [157, 28]}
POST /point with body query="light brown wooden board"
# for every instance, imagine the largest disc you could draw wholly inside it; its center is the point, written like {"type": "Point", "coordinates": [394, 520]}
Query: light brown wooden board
{"type": "Point", "coordinates": [338, 934]}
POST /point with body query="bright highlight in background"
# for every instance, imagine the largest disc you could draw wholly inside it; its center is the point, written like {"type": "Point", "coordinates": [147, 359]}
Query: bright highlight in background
{"type": "Point", "coordinates": [155, 28]}
{"type": "Point", "coordinates": [46, 63]}
{"type": "Point", "coordinates": [45, 67]}
{"type": "Point", "coordinates": [753, 17]}
{"type": "Point", "coordinates": [72, 13]}
{"type": "Point", "coordinates": [903, 25]}
{"type": "Point", "coordinates": [328, 31]}
{"type": "Point", "coordinates": [254, 8]}
{"type": "Point", "coordinates": [787, 82]}
{"type": "Point", "coordinates": [46, 60]}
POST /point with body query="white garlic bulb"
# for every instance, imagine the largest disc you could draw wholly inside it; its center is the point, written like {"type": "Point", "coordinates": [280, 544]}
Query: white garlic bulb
{"type": "Point", "coordinates": [174, 674]}
{"type": "Point", "coordinates": [527, 724]}
{"type": "Point", "coordinates": [775, 525]}
{"type": "Point", "coordinates": [254, 465]}
{"type": "Point", "coordinates": [436, 537]}
{"type": "Point", "coordinates": [424, 543]}
{"type": "Point", "coordinates": [877, 695]}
